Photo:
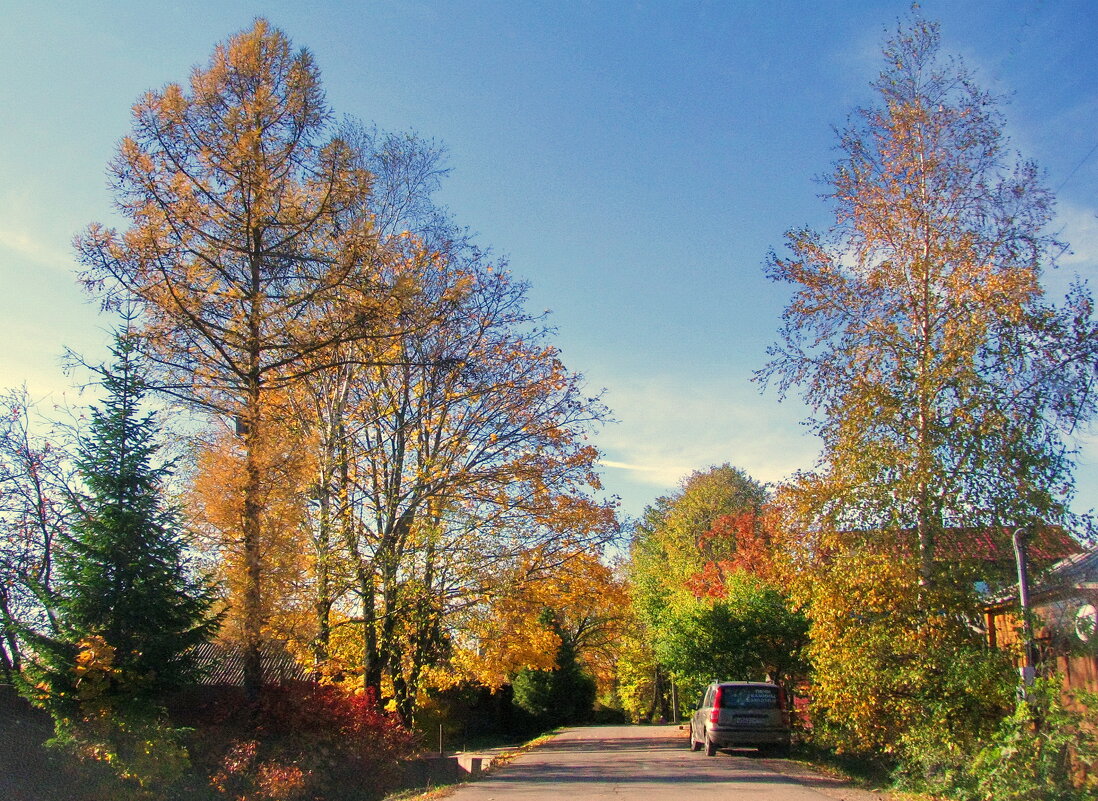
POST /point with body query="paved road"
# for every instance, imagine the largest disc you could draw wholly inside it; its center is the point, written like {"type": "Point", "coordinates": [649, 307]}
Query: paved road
{"type": "Point", "coordinates": [648, 763]}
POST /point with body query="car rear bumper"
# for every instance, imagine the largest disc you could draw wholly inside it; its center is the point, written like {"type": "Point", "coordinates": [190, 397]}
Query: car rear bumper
{"type": "Point", "coordinates": [749, 738]}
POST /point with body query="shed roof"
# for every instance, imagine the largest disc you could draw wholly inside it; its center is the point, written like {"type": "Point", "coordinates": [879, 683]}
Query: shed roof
{"type": "Point", "coordinates": [1078, 570]}
{"type": "Point", "coordinates": [1069, 575]}
{"type": "Point", "coordinates": [223, 664]}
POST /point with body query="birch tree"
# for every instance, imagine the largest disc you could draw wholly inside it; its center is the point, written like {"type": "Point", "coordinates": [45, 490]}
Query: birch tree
{"type": "Point", "coordinates": [36, 486]}
{"type": "Point", "coordinates": [943, 382]}
{"type": "Point", "coordinates": [945, 386]}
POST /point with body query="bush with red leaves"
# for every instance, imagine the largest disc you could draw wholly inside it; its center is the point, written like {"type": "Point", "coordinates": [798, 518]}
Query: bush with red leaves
{"type": "Point", "coordinates": [304, 742]}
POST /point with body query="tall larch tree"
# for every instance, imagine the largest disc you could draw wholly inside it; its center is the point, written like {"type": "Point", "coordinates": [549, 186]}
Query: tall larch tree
{"type": "Point", "coordinates": [247, 217]}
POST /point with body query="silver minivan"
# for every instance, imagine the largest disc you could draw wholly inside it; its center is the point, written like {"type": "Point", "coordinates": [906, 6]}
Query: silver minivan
{"type": "Point", "coordinates": [741, 714]}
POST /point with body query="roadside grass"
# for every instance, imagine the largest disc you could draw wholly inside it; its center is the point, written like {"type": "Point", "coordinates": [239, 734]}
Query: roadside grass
{"type": "Point", "coordinates": [864, 771]}
{"type": "Point", "coordinates": [422, 795]}
{"type": "Point", "coordinates": [861, 771]}
{"type": "Point", "coordinates": [498, 761]}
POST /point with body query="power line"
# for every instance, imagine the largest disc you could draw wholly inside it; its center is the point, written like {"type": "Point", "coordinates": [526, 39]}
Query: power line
{"type": "Point", "coordinates": [1075, 169]}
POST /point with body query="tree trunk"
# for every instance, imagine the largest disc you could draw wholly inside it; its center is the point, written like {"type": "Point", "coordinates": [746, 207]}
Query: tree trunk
{"type": "Point", "coordinates": [253, 558]}
{"type": "Point", "coordinates": [371, 661]}
{"type": "Point", "coordinates": [10, 632]}
{"type": "Point", "coordinates": [9, 647]}
{"type": "Point", "coordinates": [390, 649]}
{"type": "Point", "coordinates": [659, 703]}
{"type": "Point", "coordinates": [322, 602]}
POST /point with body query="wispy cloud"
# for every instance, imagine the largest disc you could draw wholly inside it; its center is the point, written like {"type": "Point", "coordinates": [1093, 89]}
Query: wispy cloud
{"type": "Point", "coordinates": [669, 429]}
{"type": "Point", "coordinates": [658, 472]}
{"type": "Point", "coordinates": [44, 254]}
{"type": "Point", "coordinates": [642, 468]}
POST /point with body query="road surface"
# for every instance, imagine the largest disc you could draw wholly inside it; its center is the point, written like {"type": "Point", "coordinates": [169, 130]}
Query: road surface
{"type": "Point", "coordinates": [648, 763]}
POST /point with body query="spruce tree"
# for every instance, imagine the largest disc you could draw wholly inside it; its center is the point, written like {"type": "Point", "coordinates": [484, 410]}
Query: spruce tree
{"type": "Point", "coordinates": [129, 609]}
{"type": "Point", "coordinates": [561, 696]}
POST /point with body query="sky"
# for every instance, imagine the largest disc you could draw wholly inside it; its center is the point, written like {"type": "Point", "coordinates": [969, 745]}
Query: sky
{"type": "Point", "coordinates": [634, 161]}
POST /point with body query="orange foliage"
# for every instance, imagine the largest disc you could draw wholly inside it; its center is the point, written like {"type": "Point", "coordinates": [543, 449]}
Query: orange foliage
{"type": "Point", "coordinates": [216, 502]}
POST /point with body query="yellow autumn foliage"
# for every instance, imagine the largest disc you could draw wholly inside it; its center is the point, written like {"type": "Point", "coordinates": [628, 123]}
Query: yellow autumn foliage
{"type": "Point", "coordinates": [508, 633]}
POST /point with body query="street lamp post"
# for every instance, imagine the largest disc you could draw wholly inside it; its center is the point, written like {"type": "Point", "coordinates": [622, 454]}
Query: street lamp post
{"type": "Point", "coordinates": [1029, 666]}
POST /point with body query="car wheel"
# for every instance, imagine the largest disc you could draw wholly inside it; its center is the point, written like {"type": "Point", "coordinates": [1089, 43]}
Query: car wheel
{"type": "Point", "coordinates": [694, 744]}
{"type": "Point", "coordinates": [710, 746]}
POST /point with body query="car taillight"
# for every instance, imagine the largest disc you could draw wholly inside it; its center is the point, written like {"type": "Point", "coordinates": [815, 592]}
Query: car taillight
{"type": "Point", "coordinates": [715, 713]}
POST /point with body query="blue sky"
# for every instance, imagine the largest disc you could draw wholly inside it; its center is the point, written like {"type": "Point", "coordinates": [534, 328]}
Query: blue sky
{"type": "Point", "coordinates": [634, 161]}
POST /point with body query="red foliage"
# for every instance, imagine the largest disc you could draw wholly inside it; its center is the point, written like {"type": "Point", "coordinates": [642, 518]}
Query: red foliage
{"type": "Point", "coordinates": [303, 742]}
{"type": "Point", "coordinates": [323, 711]}
{"type": "Point", "coordinates": [748, 544]}
{"type": "Point", "coordinates": [709, 581]}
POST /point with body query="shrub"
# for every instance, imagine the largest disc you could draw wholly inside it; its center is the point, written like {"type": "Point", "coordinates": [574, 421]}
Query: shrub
{"type": "Point", "coordinates": [963, 700]}
{"type": "Point", "coordinates": [557, 697]}
{"type": "Point", "coordinates": [304, 742]}
{"type": "Point", "coordinates": [123, 745]}
{"type": "Point", "coordinates": [127, 753]}
{"type": "Point", "coordinates": [1037, 752]}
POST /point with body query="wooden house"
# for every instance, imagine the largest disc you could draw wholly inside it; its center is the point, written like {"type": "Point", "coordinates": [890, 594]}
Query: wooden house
{"type": "Point", "coordinates": [1064, 602]}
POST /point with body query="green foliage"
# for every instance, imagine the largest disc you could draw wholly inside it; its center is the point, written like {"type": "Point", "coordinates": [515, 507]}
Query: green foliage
{"type": "Point", "coordinates": [555, 697]}
{"type": "Point", "coordinates": [1034, 754]}
{"type": "Point", "coordinates": [563, 695]}
{"type": "Point", "coordinates": [640, 690]}
{"type": "Point", "coordinates": [700, 615]}
{"type": "Point", "coordinates": [128, 609]}
{"type": "Point", "coordinates": [750, 634]}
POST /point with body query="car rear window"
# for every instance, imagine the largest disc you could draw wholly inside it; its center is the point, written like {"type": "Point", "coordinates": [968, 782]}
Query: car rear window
{"type": "Point", "coordinates": [749, 697]}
